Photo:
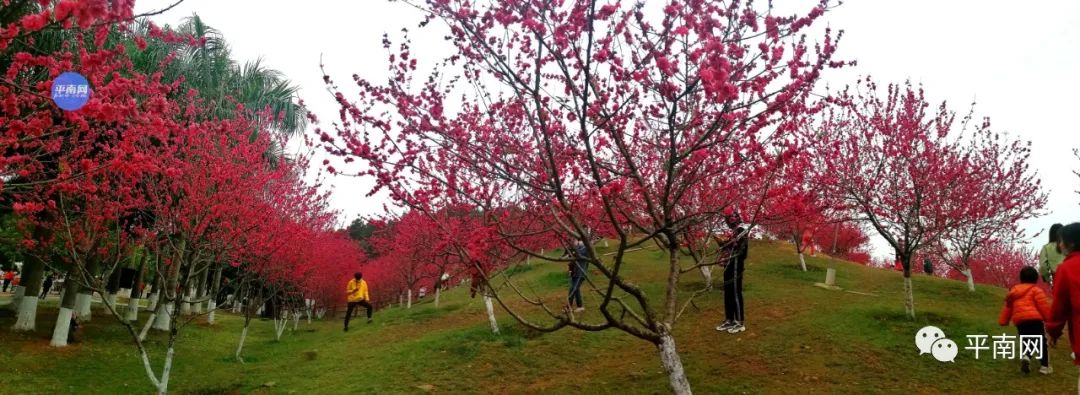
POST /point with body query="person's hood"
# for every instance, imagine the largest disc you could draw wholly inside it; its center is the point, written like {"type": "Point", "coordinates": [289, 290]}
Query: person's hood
{"type": "Point", "coordinates": [1020, 290]}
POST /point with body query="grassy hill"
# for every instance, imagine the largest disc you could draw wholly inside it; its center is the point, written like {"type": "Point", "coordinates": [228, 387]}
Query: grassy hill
{"type": "Point", "coordinates": [799, 338]}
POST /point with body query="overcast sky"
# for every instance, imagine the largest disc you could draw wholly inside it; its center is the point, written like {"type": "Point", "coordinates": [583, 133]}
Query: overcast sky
{"type": "Point", "coordinates": [1019, 60]}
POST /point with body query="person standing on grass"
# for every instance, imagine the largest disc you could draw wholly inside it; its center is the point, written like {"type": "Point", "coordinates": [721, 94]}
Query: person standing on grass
{"type": "Point", "coordinates": [47, 285]}
{"type": "Point", "coordinates": [1027, 307]}
{"type": "Point", "coordinates": [732, 255]}
{"type": "Point", "coordinates": [1050, 257]}
{"type": "Point", "coordinates": [579, 264]}
{"type": "Point", "coordinates": [357, 291]}
{"type": "Point", "coordinates": [1066, 305]}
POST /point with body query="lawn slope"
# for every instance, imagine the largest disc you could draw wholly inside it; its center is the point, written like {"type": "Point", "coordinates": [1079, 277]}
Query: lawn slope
{"type": "Point", "coordinates": [799, 338]}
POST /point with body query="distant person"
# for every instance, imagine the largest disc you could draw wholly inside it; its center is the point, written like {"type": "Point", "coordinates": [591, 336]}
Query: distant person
{"type": "Point", "coordinates": [1049, 256]}
{"type": "Point", "coordinates": [357, 291]}
{"type": "Point", "coordinates": [1027, 307]}
{"type": "Point", "coordinates": [9, 276]}
{"type": "Point", "coordinates": [579, 264]}
{"type": "Point", "coordinates": [47, 285]}
{"type": "Point", "coordinates": [1067, 291]}
{"type": "Point", "coordinates": [732, 257]}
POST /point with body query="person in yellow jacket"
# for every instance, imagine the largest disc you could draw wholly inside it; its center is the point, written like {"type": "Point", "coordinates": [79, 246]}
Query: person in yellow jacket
{"type": "Point", "coordinates": [357, 292]}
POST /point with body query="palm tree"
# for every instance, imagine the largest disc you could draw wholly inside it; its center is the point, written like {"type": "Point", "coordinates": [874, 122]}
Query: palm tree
{"type": "Point", "coordinates": [221, 81]}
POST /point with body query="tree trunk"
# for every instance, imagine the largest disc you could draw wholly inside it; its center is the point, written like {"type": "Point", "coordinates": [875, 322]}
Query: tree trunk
{"type": "Point", "coordinates": [491, 314]}
{"type": "Point", "coordinates": [185, 306]}
{"type": "Point", "coordinates": [136, 291]}
{"type": "Point", "coordinates": [163, 388]}
{"type": "Point", "coordinates": [802, 261]}
{"type": "Point", "coordinates": [669, 357]}
{"type": "Point", "coordinates": [33, 275]}
{"type": "Point", "coordinates": [20, 291]}
{"type": "Point", "coordinates": [67, 309]}
{"type": "Point", "coordinates": [437, 297]}
{"type": "Point", "coordinates": [83, 302]}
{"type": "Point", "coordinates": [200, 292]}
{"type": "Point", "coordinates": [970, 279]}
{"type": "Point", "coordinates": [909, 296]}
{"type": "Point", "coordinates": [215, 288]}
{"type": "Point", "coordinates": [243, 337]}
{"type": "Point", "coordinates": [281, 320]}
{"type": "Point", "coordinates": [408, 298]}
{"type": "Point", "coordinates": [706, 272]}
{"type": "Point", "coordinates": [112, 287]}
{"type": "Point", "coordinates": [163, 313]}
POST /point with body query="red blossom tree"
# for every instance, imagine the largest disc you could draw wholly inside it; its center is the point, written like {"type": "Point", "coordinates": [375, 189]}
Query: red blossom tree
{"type": "Point", "coordinates": [545, 104]}
{"type": "Point", "coordinates": [901, 167]}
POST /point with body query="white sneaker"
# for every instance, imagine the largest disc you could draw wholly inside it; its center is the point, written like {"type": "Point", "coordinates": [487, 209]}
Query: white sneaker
{"type": "Point", "coordinates": [579, 309]}
{"type": "Point", "coordinates": [724, 326]}
{"type": "Point", "coordinates": [738, 327]}
{"type": "Point", "coordinates": [1046, 370]}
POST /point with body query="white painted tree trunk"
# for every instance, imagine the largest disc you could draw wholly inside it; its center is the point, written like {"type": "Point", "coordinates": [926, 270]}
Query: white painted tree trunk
{"type": "Point", "coordinates": [669, 357]}
{"type": "Point", "coordinates": [27, 313]}
{"type": "Point", "coordinates": [437, 297]}
{"type": "Point", "coordinates": [147, 325]}
{"type": "Point", "coordinates": [310, 307]}
{"type": "Point", "coordinates": [706, 272]}
{"type": "Point", "coordinates": [211, 309]}
{"type": "Point", "coordinates": [802, 261]}
{"type": "Point", "coordinates": [111, 299]}
{"type": "Point", "coordinates": [279, 325]}
{"type": "Point", "coordinates": [20, 291]}
{"type": "Point", "coordinates": [163, 388]}
{"type": "Point", "coordinates": [163, 315]}
{"type": "Point", "coordinates": [909, 298]}
{"type": "Point", "coordinates": [185, 308]}
{"type": "Point", "coordinates": [296, 319]}
{"type": "Point", "coordinates": [606, 245]}
{"type": "Point", "coordinates": [152, 302]}
{"type": "Point", "coordinates": [491, 314]}
{"type": "Point", "coordinates": [320, 313]}
{"type": "Point", "coordinates": [408, 299]}
{"type": "Point", "coordinates": [82, 306]}
{"type": "Point", "coordinates": [197, 308]}
{"type": "Point", "coordinates": [970, 279]}
{"type": "Point", "coordinates": [237, 304]}
{"type": "Point", "coordinates": [63, 326]}
{"type": "Point", "coordinates": [240, 347]}
{"type": "Point", "coordinates": [132, 313]}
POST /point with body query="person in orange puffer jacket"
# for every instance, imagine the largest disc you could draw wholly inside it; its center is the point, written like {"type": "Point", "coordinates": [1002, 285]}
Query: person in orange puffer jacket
{"type": "Point", "coordinates": [1027, 307]}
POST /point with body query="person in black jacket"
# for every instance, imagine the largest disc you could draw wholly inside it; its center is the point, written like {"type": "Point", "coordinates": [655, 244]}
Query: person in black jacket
{"type": "Point", "coordinates": [578, 266]}
{"type": "Point", "coordinates": [47, 285]}
{"type": "Point", "coordinates": [732, 256]}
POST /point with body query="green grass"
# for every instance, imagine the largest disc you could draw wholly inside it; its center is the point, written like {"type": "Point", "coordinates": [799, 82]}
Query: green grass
{"type": "Point", "coordinates": [800, 338]}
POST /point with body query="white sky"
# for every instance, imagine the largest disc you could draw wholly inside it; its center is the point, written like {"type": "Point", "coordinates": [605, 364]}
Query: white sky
{"type": "Point", "coordinates": [1019, 61]}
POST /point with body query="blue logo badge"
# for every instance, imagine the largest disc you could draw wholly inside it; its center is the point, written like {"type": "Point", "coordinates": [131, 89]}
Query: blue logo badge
{"type": "Point", "coordinates": [70, 91]}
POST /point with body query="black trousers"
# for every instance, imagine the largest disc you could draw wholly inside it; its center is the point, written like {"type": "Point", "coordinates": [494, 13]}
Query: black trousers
{"type": "Point", "coordinates": [45, 290]}
{"type": "Point", "coordinates": [733, 292]}
{"type": "Point", "coordinates": [352, 306]}
{"type": "Point", "coordinates": [6, 284]}
{"type": "Point", "coordinates": [575, 291]}
{"type": "Point", "coordinates": [1035, 328]}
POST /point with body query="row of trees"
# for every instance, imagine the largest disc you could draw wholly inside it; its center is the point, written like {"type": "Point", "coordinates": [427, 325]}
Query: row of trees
{"type": "Point", "coordinates": [175, 169]}
{"type": "Point", "coordinates": [556, 122]}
